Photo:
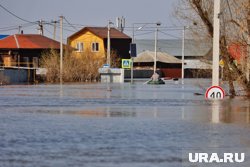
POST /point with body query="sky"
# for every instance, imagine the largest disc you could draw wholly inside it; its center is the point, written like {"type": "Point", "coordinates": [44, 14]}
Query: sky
{"type": "Point", "coordinates": [80, 13]}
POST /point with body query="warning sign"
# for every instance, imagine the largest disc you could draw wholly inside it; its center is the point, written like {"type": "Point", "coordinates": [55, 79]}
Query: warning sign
{"type": "Point", "coordinates": [126, 63]}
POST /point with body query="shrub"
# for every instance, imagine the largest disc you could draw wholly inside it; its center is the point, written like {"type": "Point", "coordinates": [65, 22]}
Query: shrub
{"type": "Point", "coordinates": [76, 67]}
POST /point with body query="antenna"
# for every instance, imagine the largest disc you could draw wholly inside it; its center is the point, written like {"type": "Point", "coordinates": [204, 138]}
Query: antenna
{"type": "Point", "coordinates": [40, 27]}
{"type": "Point", "coordinates": [120, 23]}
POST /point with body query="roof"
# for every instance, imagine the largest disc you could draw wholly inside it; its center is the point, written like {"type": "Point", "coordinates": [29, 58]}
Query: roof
{"type": "Point", "coordinates": [148, 57]}
{"type": "Point", "coordinates": [197, 64]}
{"type": "Point", "coordinates": [28, 41]}
{"type": "Point", "coordinates": [3, 36]}
{"type": "Point", "coordinates": [102, 32]}
{"type": "Point", "coordinates": [174, 46]}
{"type": "Point", "coordinates": [238, 51]}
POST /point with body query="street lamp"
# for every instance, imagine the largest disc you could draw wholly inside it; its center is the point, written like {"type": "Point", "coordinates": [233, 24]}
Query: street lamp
{"type": "Point", "coordinates": [216, 43]}
{"type": "Point", "coordinates": [183, 54]}
{"type": "Point", "coordinates": [156, 40]}
{"type": "Point", "coordinates": [108, 45]}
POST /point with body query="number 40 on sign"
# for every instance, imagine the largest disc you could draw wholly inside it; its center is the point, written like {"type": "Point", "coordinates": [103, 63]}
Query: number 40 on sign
{"type": "Point", "coordinates": [215, 92]}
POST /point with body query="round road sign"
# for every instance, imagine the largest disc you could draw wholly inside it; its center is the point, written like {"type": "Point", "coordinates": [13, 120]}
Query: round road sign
{"type": "Point", "coordinates": [215, 92]}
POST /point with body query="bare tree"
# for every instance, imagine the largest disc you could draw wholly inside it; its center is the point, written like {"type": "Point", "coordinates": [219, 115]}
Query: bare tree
{"type": "Point", "coordinates": [235, 28]}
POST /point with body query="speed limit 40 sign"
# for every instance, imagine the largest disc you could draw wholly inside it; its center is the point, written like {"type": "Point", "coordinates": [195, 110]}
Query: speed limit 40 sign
{"type": "Point", "coordinates": [215, 92]}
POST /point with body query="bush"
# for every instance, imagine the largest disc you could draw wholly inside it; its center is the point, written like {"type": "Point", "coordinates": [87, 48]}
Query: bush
{"type": "Point", "coordinates": [76, 68]}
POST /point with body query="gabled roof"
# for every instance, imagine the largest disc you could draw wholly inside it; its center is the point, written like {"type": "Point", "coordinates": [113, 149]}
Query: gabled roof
{"type": "Point", "coordinates": [28, 41]}
{"type": "Point", "coordinates": [102, 32]}
{"type": "Point", "coordinates": [148, 57]}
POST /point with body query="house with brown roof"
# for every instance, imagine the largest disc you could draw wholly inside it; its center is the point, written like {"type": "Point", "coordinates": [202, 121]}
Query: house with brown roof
{"type": "Point", "coordinates": [94, 40]}
{"type": "Point", "coordinates": [167, 65]}
{"type": "Point", "coordinates": [25, 50]}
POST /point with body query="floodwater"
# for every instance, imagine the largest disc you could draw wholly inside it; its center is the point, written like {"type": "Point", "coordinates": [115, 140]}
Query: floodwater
{"type": "Point", "coordinates": [113, 125]}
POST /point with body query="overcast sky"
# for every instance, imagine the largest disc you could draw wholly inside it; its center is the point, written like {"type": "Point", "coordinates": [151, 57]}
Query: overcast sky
{"type": "Point", "coordinates": [85, 13]}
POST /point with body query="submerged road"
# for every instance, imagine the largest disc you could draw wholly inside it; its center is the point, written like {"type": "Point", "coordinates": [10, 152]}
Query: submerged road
{"type": "Point", "coordinates": [110, 125]}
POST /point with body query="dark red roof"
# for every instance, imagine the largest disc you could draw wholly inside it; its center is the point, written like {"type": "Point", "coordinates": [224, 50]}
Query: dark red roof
{"type": "Point", "coordinates": [102, 32]}
{"type": "Point", "coordinates": [28, 41]}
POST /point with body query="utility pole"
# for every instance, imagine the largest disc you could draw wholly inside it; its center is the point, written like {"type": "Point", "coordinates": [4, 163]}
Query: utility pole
{"type": "Point", "coordinates": [216, 43]}
{"type": "Point", "coordinates": [108, 45]}
{"type": "Point", "coordinates": [248, 45]}
{"type": "Point", "coordinates": [156, 41]}
{"type": "Point", "coordinates": [132, 59]}
{"type": "Point", "coordinates": [61, 49]}
{"type": "Point", "coordinates": [183, 54]}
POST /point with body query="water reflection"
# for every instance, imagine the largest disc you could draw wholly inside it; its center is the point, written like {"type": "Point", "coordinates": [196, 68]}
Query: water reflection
{"type": "Point", "coordinates": [131, 125]}
{"type": "Point", "coordinates": [216, 111]}
{"type": "Point", "coordinates": [230, 111]}
{"type": "Point", "coordinates": [109, 112]}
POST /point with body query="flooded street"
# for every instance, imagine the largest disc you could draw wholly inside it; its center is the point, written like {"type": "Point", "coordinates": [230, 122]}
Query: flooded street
{"type": "Point", "coordinates": [100, 125]}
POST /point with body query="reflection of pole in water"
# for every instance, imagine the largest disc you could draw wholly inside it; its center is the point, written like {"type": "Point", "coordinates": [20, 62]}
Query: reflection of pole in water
{"type": "Point", "coordinates": [215, 111]}
{"type": "Point", "coordinates": [182, 108]}
{"type": "Point", "coordinates": [155, 112]}
{"type": "Point", "coordinates": [61, 96]}
{"type": "Point", "coordinates": [108, 115]}
{"type": "Point", "coordinates": [248, 113]}
{"type": "Point", "coordinates": [182, 113]}
{"type": "Point", "coordinates": [108, 80]}
{"type": "Point", "coordinates": [61, 90]}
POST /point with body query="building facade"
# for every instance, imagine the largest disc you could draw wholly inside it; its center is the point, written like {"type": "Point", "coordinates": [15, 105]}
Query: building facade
{"type": "Point", "coordinates": [25, 50]}
{"type": "Point", "coordinates": [195, 52]}
{"type": "Point", "coordinates": [94, 40]}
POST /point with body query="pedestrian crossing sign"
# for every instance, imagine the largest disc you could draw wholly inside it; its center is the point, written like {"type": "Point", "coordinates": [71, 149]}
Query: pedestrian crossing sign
{"type": "Point", "coordinates": [126, 63]}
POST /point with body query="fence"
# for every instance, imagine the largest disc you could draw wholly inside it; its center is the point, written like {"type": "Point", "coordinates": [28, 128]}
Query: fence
{"type": "Point", "coordinates": [16, 75]}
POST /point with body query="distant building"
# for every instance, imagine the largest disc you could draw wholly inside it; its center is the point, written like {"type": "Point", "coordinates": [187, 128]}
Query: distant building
{"type": "Point", "coordinates": [195, 51]}
{"type": "Point", "coordinates": [94, 40]}
{"type": "Point", "coordinates": [24, 50]}
{"type": "Point", "coordinates": [168, 66]}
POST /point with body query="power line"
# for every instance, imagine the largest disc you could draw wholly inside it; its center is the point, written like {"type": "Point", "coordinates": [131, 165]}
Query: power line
{"type": "Point", "coordinates": [48, 31]}
{"type": "Point", "coordinates": [14, 14]}
{"type": "Point", "coordinates": [146, 33]}
{"type": "Point", "coordinates": [170, 35]}
{"type": "Point", "coordinates": [10, 28]}
{"type": "Point", "coordinates": [70, 24]}
{"type": "Point", "coordinates": [53, 33]}
{"type": "Point", "coordinates": [63, 28]}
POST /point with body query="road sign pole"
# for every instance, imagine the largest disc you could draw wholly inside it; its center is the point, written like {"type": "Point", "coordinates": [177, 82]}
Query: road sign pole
{"type": "Point", "coordinates": [61, 49]}
{"type": "Point", "coordinates": [216, 43]}
{"type": "Point", "coordinates": [183, 55]}
{"type": "Point", "coordinates": [132, 70]}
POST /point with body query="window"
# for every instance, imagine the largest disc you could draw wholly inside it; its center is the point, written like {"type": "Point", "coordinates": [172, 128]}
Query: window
{"type": "Point", "coordinates": [95, 47]}
{"type": "Point", "coordinates": [79, 47]}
